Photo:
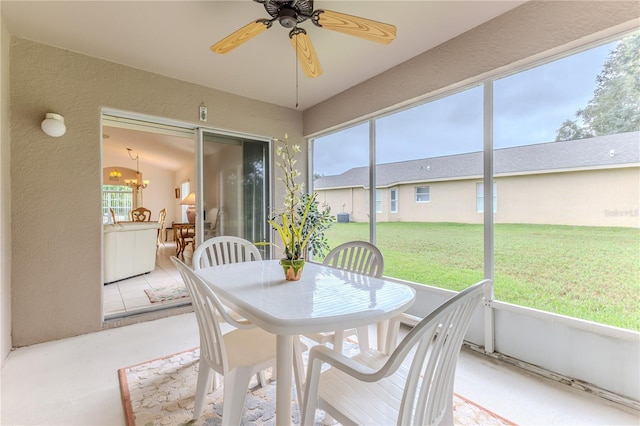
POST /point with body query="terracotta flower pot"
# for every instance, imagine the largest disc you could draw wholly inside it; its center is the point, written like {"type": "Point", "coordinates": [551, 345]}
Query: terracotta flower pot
{"type": "Point", "coordinates": [292, 268]}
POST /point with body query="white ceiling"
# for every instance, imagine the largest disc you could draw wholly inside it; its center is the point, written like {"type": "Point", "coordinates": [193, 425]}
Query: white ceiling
{"type": "Point", "coordinates": [172, 38]}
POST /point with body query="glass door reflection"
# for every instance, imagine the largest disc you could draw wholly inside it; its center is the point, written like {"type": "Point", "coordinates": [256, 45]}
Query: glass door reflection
{"type": "Point", "coordinates": [235, 190]}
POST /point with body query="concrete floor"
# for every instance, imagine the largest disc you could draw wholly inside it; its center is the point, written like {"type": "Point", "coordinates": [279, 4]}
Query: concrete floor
{"type": "Point", "coordinates": [74, 381]}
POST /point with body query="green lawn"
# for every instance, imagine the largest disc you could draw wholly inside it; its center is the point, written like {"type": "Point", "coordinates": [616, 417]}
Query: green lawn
{"type": "Point", "coordinates": [591, 273]}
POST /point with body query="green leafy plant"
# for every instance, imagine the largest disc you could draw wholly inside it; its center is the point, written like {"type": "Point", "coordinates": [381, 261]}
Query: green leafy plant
{"type": "Point", "coordinates": [319, 220]}
{"type": "Point", "coordinates": [302, 222]}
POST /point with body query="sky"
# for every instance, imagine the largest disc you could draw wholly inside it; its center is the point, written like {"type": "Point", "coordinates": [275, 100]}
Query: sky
{"type": "Point", "coordinates": [529, 107]}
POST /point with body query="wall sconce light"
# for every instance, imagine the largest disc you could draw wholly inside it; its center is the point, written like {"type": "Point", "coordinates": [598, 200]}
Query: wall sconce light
{"type": "Point", "coordinates": [53, 125]}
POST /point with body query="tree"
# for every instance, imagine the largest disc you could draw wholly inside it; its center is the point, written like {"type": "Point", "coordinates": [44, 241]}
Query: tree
{"type": "Point", "coordinates": [571, 130]}
{"type": "Point", "coordinates": [615, 105]}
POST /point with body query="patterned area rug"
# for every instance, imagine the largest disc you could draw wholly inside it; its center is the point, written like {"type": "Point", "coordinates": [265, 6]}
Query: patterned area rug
{"type": "Point", "coordinates": [161, 392]}
{"type": "Point", "coordinates": [157, 295]}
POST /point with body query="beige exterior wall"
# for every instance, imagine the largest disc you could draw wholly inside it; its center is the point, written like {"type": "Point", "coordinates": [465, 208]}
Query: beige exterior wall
{"type": "Point", "coordinates": [56, 182]}
{"type": "Point", "coordinates": [354, 201]}
{"type": "Point", "coordinates": [608, 197]}
{"type": "Point", "coordinates": [450, 201]}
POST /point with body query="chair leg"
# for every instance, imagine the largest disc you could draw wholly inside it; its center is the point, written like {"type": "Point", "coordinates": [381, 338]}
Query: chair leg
{"type": "Point", "coordinates": [262, 380]}
{"type": "Point", "coordinates": [202, 388]}
{"type": "Point", "coordinates": [308, 411]}
{"type": "Point", "coordinates": [363, 338]}
{"type": "Point", "coordinates": [392, 335]}
{"type": "Point", "coordinates": [338, 341]}
{"type": "Point", "coordinates": [298, 369]}
{"type": "Point", "coordinates": [382, 330]}
{"type": "Point", "coordinates": [214, 383]}
{"type": "Point", "coordinates": [236, 384]}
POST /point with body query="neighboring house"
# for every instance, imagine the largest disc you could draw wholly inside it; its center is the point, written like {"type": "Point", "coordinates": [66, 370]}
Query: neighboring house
{"type": "Point", "coordinates": [586, 182]}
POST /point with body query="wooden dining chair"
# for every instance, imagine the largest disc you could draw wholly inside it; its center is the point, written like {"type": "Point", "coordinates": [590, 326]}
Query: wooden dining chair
{"type": "Point", "coordinates": [355, 256]}
{"type": "Point", "coordinates": [140, 215]}
{"type": "Point", "coordinates": [374, 388]}
{"type": "Point", "coordinates": [113, 216]}
{"type": "Point", "coordinates": [236, 355]}
{"type": "Point", "coordinates": [184, 234]}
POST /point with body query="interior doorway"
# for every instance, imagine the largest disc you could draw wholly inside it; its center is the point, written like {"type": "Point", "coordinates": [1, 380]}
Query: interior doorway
{"type": "Point", "coordinates": [224, 171]}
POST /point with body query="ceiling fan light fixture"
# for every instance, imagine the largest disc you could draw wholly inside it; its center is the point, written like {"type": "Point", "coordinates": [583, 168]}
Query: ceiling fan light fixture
{"type": "Point", "coordinates": [288, 17]}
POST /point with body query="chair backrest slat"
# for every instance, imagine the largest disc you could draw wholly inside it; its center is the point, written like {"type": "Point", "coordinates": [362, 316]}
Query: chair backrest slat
{"type": "Point", "coordinates": [357, 256]}
{"type": "Point", "coordinates": [224, 249]}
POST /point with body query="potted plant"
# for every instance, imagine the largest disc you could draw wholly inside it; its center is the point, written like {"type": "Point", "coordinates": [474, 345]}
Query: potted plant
{"type": "Point", "coordinates": [301, 224]}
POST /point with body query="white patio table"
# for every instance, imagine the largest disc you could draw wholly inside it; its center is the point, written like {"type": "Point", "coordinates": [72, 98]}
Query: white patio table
{"type": "Point", "coordinates": [325, 299]}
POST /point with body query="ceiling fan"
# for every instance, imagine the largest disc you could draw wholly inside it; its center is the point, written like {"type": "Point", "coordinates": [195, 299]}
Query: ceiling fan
{"type": "Point", "coordinates": [290, 13]}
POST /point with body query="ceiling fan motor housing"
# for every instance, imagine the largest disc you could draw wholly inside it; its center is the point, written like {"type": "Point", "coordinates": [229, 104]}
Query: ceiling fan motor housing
{"type": "Point", "coordinates": [287, 17]}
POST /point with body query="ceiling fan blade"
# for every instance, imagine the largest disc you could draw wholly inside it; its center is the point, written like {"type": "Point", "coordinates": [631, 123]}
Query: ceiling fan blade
{"type": "Point", "coordinates": [305, 52]}
{"type": "Point", "coordinates": [238, 37]}
{"type": "Point", "coordinates": [368, 29]}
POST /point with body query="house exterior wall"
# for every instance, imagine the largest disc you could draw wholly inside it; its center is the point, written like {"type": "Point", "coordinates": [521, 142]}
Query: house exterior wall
{"type": "Point", "coordinates": [450, 201]}
{"type": "Point", "coordinates": [605, 197]}
{"type": "Point", "coordinates": [347, 200]}
{"type": "Point", "coordinates": [56, 198]}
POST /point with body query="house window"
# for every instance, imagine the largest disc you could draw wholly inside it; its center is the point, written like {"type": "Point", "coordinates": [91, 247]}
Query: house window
{"type": "Point", "coordinates": [423, 194]}
{"type": "Point", "coordinates": [393, 202]}
{"type": "Point", "coordinates": [120, 199]}
{"type": "Point", "coordinates": [378, 201]}
{"type": "Point", "coordinates": [480, 197]}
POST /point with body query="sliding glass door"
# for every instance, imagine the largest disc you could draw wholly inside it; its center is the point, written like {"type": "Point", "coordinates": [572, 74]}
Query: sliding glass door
{"type": "Point", "coordinates": [234, 191]}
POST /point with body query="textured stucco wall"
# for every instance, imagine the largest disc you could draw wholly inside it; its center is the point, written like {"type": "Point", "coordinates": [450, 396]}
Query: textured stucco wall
{"type": "Point", "coordinates": [56, 182]}
{"type": "Point", "coordinates": [526, 33]}
{"type": "Point", "coordinates": [5, 198]}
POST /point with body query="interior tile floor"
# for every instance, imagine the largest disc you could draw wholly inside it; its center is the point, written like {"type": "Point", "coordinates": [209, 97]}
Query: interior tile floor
{"type": "Point", "coordinates": [74, 381]}
{"type": "Point", "coordinates": [127, 297]}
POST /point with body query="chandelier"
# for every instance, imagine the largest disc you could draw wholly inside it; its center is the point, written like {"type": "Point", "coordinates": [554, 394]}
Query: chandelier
{"type": "Point", "coordinates": [136, 183]}
{"type": "Point", "coordinates": [115, 175]}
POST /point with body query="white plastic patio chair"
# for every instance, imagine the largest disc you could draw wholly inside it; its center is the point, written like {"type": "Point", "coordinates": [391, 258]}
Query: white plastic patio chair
{"type": "Point", "coordinates": [236, 355]}
{"type": "Point", "coordinates": [354, 256]}
{"type": "Point", "coordinates": [373, 388]}
{"type": "Point", "coordinates": [221, 251]}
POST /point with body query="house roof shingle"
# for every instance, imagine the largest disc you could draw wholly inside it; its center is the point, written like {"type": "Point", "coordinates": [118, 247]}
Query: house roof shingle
{"type": "Point", "coordinates": [603, 151]}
